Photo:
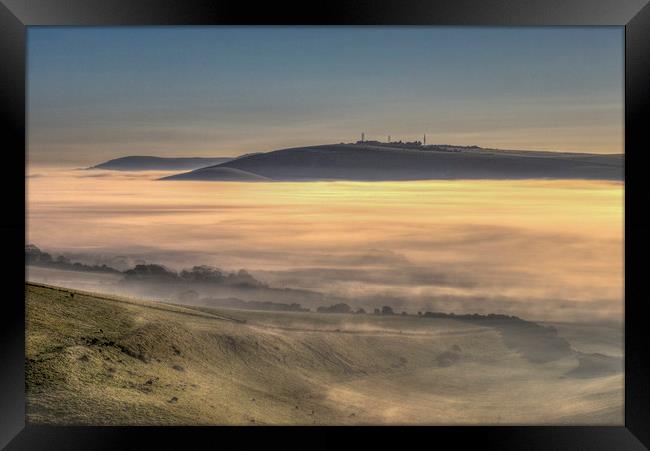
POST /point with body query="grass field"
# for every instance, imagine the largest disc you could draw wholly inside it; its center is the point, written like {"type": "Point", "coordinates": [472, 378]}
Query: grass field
{"type": "Point", "coordinates": [94, 360]}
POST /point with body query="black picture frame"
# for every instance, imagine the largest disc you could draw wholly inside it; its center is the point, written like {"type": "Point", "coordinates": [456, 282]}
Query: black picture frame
{"type": "Point", "coordinates": [16, 15]}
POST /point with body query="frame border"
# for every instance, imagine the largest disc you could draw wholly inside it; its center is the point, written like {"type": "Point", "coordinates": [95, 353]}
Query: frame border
{"type": "Point", "coordinates": [634, 15]}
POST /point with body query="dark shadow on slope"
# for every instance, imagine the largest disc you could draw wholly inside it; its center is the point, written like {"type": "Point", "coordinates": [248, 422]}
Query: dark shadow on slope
{"type": "Point", "coordinates": [596, 365]}
{"type": "Point", "coordinates": [535, 343]}
{"type": "Point", "coordinates": [219, 173]}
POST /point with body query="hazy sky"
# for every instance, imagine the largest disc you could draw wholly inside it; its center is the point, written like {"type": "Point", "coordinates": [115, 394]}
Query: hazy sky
{"type": "Point", "coordinates": [100, 93]}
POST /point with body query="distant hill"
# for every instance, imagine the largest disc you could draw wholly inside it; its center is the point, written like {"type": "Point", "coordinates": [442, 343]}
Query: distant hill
{"type": "Point", "coordinates": [376, 163]}
{"type": "Point", "coordinates": [219, 173]}
{"type": "Point", "coordinates": [146, 163]}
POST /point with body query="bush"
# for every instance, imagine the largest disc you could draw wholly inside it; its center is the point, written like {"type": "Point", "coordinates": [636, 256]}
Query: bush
{"type": "Point", "coordinates": [336, 308]}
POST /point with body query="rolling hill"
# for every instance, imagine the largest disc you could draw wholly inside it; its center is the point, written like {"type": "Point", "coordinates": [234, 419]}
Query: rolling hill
{"type": "Point", "coordinates": [147, 163]}
{"type": "Point", "coordinates": [220, 173]}
{"type": "Point", "coordinates": [93, 359]}
{"type": "Point", "coordinates": [383, 163]}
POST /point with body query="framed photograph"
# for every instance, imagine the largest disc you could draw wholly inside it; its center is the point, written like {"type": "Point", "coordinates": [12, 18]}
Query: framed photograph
{"type": "Point", "coordinates": [400, 223]}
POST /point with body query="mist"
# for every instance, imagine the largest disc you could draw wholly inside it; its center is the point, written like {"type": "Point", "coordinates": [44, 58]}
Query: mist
{"type": "Point", "coordinates": [514, 247]}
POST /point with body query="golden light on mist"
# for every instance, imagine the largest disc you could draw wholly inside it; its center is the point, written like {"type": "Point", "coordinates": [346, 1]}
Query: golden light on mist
{"type": "Point", "coordinates": [529, 239]}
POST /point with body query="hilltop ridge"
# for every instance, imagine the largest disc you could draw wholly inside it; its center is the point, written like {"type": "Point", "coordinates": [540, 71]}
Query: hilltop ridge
{"type": "Point", "coordinates": [151, 163]}
{"type": "Point", "coordinates": [407, 161]}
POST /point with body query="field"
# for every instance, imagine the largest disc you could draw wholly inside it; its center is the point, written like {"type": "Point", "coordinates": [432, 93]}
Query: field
{"type": "Point", "coordinates": [98, 360]}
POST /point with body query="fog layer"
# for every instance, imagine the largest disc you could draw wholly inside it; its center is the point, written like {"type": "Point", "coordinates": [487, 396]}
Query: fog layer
{"type": "Point", "coordinates": [537, 249]}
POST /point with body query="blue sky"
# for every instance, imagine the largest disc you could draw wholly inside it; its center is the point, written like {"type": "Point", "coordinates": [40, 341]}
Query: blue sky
{"type": "Point", "coordinates": [99, 93]}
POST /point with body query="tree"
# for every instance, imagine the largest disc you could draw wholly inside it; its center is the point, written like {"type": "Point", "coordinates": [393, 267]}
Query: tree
{"type": "Point", "coordinates": [203, 273]}
{"type": "Point", "coordinates": [386, 310]}
{"type": "Point", "coordinates": [34, 255]}
{"type": "Point", "coordinates": [63, 260]}
{"type": "Point", "coordinates": [336, 308]}
{"type": "Point", "coordinates": [150, 272]}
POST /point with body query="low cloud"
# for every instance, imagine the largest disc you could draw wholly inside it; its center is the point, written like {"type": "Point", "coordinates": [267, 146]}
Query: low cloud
{"type": "Point", "coordinates": [454, 245]}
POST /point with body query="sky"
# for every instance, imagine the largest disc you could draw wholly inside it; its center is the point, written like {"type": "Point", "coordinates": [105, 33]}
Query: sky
{"type": "Point", "coordinates": [101, 93]}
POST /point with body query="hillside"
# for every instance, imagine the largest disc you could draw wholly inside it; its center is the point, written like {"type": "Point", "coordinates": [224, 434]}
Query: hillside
{"type": "Point", "coordinates": [376, 163]}
{"type": "Point", "coordinates": [147, 163]}
{"type": "Point", "coordinates": [220, 173]}
{"type": "Point", "coordinates": [94, 359]}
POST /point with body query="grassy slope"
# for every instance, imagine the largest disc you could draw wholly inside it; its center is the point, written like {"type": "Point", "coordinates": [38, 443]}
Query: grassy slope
{"type": "Point", "coordinates": [104, 360]}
